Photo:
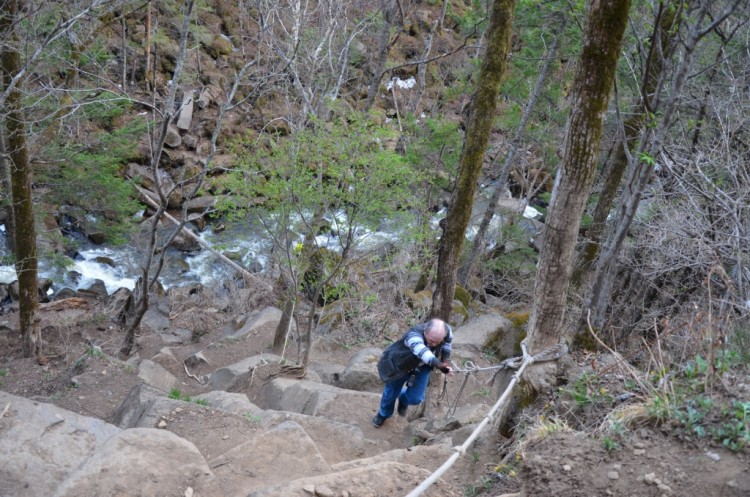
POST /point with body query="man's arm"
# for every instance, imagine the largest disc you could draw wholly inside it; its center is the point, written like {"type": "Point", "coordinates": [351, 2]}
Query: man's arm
{"type": "Point", "coordinates": [415, 341]}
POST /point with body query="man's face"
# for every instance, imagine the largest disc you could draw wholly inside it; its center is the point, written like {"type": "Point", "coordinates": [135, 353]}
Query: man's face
{"type": "Point", "coordinates": [433, 338]}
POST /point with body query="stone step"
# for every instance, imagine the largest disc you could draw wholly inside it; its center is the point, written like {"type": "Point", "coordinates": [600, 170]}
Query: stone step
{"type": "Point", "coordinates": [319, 399]}
{"type": "Point", "coordinates": [235, 422]}
{"type": "Point", "coordinates": [383, 479]}
{"type": "Point", "coordinates": [285, 451]}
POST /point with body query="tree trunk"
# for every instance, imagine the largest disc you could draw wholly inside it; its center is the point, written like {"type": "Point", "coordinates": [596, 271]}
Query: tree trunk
{"type": "Point", "coordinates": [661, 42]}
{"type": "Point", "coordinates": [147, 54]}
{"type": "Point", "coordinates": [479, 240]}
{"type": "Point", "coordinates": [285, 323]}
{"type": "Point", "coordinates": [422, 71]}
{"type": "Point", "coordinates": [652, 140]}
{"type": "Point", "coordinates": [20, 173]}
{"type": "Point", "coordinates": [147, 278]}
{"type": "Point", "coordinates": [592, 86]}
{"type": "Point", "coordinates": [7, 200]}
{"type": "Point", "coordinates": [482, 114]}
{"type": "Point", "coordinates": [388, 10]}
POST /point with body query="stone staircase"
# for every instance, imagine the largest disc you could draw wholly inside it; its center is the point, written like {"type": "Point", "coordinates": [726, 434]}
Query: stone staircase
{"type": "Point", "coordinates": [246, 431]}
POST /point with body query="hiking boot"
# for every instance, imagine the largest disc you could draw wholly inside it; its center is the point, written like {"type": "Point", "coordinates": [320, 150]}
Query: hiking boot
{"type": "Point", "coordinates": [378, 421]}
{"type": "Point", "coordinates": [401, 408]}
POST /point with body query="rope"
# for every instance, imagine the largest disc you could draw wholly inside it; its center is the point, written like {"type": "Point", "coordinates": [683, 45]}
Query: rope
{"type": "Point", "coordinates": [550, 354]}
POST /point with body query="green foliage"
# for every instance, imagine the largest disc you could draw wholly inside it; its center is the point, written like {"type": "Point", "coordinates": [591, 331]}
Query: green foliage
{"type": "Point", "coordinates": [515, 256]}
{"type": "Point", "coordinates": [253, 418]}
{"type": "Point", "coordinates": [96, 54]}
{"type": "Point", "coordinates": [331, 178]}
{"type": "Point", "coordinates": [93, 351]}
{"type": "Point", "coordinates": [473, 19]}
{"type": "Point", "coordinates": [88, 184]}
{"type": "Point", "coordinates": [106, 108]}
{"type": "Point", "coordinates": [609, 444]}
{"type": "Point", "coordinates": [696, 412]}
{"type": "Point", "coordinates": [535, 28]}
{"type": "Point", "coordinates": [740, 343]}
{"type": "Point", "coordinates": [474, 489]}
{"type": "Point", "coordinates": [646, 158]}
{"type": "Point", "coordinates": [586, 390]}
{"type": "Point", "coordinates": [176, 394]}
{"type": "Point", "coordinates": [435, 147]}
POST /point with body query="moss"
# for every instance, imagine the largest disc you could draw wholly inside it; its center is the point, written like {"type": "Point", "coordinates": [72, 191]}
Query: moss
{"type": "Point", "coordinates": [526, 397]}
{"type": "Point", "coordinates": [519, 319]}
{"type": "Point", "coordinates": [459, 313]}
{"type": "Point", "coordinates": [584, 341]}
{"type": "Point", "coordinates": [495, 340]}
{"type": "Point", "coordinates": [463, 296]}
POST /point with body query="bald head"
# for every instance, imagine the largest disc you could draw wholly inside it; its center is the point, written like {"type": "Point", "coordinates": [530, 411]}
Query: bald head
{"type": "Point", "coordinates": [435, 332]}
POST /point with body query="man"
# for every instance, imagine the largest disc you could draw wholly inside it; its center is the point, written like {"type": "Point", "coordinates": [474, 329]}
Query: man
{"type": "Point", "coordinates": [405, 366]}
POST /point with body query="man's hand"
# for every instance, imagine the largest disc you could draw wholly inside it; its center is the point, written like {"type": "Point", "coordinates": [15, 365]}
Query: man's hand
{"type": "Point", "coordinates": [444, 367]}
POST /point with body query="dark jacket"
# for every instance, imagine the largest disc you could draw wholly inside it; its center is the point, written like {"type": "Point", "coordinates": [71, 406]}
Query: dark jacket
{"type": "Point", "coordinates": [402, 356]}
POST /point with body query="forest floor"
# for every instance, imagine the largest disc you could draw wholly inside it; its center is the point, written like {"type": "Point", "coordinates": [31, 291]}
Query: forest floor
{"type": "Point", "coordinates": [589, 438]}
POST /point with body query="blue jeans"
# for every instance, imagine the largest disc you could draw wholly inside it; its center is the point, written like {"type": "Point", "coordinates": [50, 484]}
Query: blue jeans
{"type": "Point", "coordinates": [397, 389]}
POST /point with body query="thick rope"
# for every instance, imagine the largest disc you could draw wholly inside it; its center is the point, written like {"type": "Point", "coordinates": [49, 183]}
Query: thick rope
{"type": "Point", "coordinates": [550, 354]}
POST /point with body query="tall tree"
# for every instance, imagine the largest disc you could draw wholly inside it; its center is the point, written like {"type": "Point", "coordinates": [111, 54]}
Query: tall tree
{"type": "Point", "coordinates": [480, 239]}
{"type": "Point", "coordinates": [592, 87]}
{"type": "Point", "coordinates": [481, 116]}
{"type": "Point", "coordinates": [20, 174]}
{"type": "Point", "coordinates": [650, 147]}
{"type": "Point", "coordinates": [658, 48]}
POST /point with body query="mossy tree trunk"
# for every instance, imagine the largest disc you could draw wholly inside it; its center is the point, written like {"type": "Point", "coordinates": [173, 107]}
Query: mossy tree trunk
{"type": "Point", "coordinates": [661, 42]}
{"type": "Point", "coordinates": [20, 174]}
{"type": "Point", "coordinates": [479, 245]}
{"type": "Point", "coordinates": [700, 23]}
{"type": "Point", "coordinates": [593, 84]}
{"type": "Point", "coordinates": [481, 117]}
{"type": "Point", "coordinates": [6, 202]}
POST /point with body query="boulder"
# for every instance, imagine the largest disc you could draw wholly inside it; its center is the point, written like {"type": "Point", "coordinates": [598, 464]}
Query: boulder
{"type": "Point", "coordinates": [156, 376]}
{"type": "Point", "coordinates": [223, 378]}
{"type": "Point", "coordinates": [470, 339]}
{"type": "Point", "coordinates": [266, 319]}
{"type": "Point", "coordinates": [97, 290]}
{"type": "Point", "coordinates": [384, 479]}
{"type": "Point", "coordinates": [319, 399]}
{"type": "Point", "coordinates": [41, 445]}
{"type": "Point", "coordinates": [185, 119]}
{"type": "Point", "coordinates": [46, 450]}
{"type": "Point", "coordinates": [362, 371]}
{"type": "Point", "coordinates": [173, 139]}
{"type": "Point", "coordinates": [236, 403]}
{"type": "Point", "coordinates": [339, 441]}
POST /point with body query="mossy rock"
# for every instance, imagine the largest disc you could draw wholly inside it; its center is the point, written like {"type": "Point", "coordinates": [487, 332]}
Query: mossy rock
{"type": "Point", "coordinates": [459, 313]}
{"type": "Point", "coordinates": [219, 46]}
{"type": "Point", "coordinates": [419, 300]}
{"type": "Point", "coordinates": [463, 296]}
{"type": "Point", "coordinates": [519, 318]}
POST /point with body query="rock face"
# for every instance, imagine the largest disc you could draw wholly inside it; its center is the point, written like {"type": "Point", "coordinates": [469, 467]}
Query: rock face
{"type": "Point", "coordinates": [50, 451]}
